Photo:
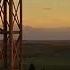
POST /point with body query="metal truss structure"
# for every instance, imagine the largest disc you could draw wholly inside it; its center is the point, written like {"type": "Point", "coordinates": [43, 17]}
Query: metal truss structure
{"type": "Point", "coordinates": [11, 20]}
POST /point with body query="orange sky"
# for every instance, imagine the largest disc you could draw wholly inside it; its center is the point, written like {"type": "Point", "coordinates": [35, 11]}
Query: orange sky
{"type": "Point", "coordinates": [46, 13]}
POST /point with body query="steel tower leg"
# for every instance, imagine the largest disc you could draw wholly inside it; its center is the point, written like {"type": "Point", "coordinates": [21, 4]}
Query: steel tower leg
{"type": "Point", "coordinates": [20, 55]}
{"type": "Point", "coordinates": [11, 33]}
{"type": "Point", "coordinates": [5, 35]}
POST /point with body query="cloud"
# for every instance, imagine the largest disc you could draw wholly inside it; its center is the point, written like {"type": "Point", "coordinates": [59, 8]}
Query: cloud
{"type": "Point", "coordinates": [47, 8]}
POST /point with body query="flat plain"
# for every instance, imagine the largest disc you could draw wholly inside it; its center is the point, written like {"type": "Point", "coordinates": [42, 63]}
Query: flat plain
{"type": "Point", "coordinates": [47, 55]}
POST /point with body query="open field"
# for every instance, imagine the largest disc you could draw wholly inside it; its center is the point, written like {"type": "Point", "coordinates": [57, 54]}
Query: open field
{"type": "Point", "coordinates": [47, 55]}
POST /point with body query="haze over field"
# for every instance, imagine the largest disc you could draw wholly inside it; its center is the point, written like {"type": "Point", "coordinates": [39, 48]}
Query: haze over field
{"type": "Point", "coordinates": [30, 33]}
{"type": "Point", "coordinates": [47, 19]}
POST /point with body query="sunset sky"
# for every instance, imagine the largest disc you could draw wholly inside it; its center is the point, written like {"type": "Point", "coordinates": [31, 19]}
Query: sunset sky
{"type": "Point", "coordinates": [46, 13]}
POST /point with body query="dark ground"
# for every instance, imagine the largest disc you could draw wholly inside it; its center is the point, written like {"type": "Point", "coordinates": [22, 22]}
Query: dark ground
{"type": "Point", "coordinates": [47, 55]}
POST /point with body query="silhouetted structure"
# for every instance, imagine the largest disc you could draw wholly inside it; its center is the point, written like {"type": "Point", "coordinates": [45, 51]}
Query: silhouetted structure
{"type": "Point", "coordinates": [9, 14]}
{"type": "Point", "coordinates": [31, 67]}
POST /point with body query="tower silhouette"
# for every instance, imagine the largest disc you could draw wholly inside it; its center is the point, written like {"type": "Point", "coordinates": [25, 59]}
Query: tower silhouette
{"type": "Point", "coordinates": [11, 15]}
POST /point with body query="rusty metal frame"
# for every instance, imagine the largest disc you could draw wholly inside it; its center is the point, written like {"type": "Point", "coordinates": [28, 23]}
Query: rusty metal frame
{"type": "Point", "coordinates": [15, 48]}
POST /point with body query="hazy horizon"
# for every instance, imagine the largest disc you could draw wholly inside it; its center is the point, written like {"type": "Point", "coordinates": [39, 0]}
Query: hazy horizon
{"type": "Point", "coordinates": [30, 33]}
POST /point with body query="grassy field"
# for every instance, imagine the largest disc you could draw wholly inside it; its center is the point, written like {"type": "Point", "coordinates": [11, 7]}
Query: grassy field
{"type": "Point", "coordinates": [47, 55]}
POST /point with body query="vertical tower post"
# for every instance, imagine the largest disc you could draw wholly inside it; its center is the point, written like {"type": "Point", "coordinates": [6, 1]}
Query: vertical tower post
{"type": "Point", "coordinates": [11, 33]}
{"type": "Point", "coordinates": [5, 34]}
{"type": "Point", "coordinates": [20, 55]}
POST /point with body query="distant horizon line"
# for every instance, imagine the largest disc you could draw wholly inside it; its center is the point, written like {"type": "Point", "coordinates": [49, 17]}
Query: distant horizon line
{"type": "Point", "coordinates": [43, 27]}
{"type": "Point", "coordinates": [42, 40]}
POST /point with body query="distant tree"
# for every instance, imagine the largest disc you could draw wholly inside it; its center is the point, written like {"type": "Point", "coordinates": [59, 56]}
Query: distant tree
{"type": "Point", "coordinates": [31, 67]}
